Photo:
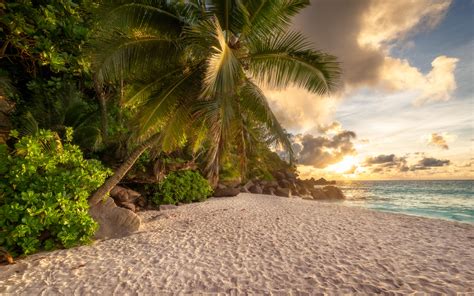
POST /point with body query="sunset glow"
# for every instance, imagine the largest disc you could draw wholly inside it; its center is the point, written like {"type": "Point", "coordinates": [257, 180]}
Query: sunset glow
{"type": "Point", "coordinates": [404, 107]}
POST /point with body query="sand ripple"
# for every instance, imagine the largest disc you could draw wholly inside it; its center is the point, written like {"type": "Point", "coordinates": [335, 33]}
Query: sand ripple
{"type": "Point", "coordinates": [261, 245]}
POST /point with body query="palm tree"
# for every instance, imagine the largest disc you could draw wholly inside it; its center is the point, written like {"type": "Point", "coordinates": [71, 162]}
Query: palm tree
{"type": "Point", "coordinates": [196, 68]}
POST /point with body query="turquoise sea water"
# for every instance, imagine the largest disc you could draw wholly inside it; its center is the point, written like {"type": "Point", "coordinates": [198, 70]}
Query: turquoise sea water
{"type": "Point", "coordinates": [451, 200]}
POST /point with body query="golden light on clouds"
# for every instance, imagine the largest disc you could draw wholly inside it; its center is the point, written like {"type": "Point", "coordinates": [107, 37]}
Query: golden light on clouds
{"type": "Point", "coordinates": [347, 166]}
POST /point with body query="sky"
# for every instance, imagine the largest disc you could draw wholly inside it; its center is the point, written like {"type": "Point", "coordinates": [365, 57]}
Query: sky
{"type": "Point", "coordinates": [404, 108]}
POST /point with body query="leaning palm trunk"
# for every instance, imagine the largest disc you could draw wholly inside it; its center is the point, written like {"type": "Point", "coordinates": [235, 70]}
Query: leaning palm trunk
{"type": "Point", "coordinates": [122, 170]}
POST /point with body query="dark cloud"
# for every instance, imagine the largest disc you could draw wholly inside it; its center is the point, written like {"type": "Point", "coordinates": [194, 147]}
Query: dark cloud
{"type": "Point", "coordinates": [385, 163]}
{"type": "Point", "coordinates": [380, 159]}
{"type": "Point", "coordinates": [334, 26]}
{"type": "Point", "coordinates": [322, 151]}
{"type": "Point", "coordinates": [427, 163]}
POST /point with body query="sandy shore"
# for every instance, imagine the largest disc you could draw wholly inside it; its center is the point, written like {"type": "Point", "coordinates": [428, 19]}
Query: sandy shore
{"type": "Point", "coordinates": [260, 244]}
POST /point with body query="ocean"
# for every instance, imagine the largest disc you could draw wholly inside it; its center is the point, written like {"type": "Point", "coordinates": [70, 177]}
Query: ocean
{"type": "Point", "coordinates": [450, 200]}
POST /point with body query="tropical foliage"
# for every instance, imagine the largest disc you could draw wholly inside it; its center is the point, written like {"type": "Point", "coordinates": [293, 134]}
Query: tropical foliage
{"type": "Point", "coordinates": [172, 79]}
{"type": "Point", "coordinates": [182, 186]}
{"type": "Point", "coordinates": [195, 69]}
{"type": "Point", "coordinates": [44, 188]}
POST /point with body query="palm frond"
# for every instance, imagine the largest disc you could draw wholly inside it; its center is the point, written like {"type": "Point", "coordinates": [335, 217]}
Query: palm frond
{"type": "Point", "coordinates": [223, 68]}
{"type": "Point", "coordinates": [145, 16]}
{"type": "Point", "coordinates": [285, 59]}
{"type": "Point", "coordinates": [160, 106]}
{"type": "Point", "coordinates": [125, 55]}
{"type": "Point", "coordinates": [254, 102]}
{"type": "Point", "coordinates": [270, 16]}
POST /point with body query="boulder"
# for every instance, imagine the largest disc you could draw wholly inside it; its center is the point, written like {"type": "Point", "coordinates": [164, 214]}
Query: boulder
{"type": "Point", "coordinates": [113, 221]}
{"type": "Point", "coordinates": [141, 202]}
{"type": "Point", "coordinates": [284, 183]}
{"type": "Point", "coordinates": [221, 186]}
{"type": "Point", "coordinates": [248, 185]}
{"type": "Point", "coordinates": [318, 193]}
{"type": "Point", "coordinates": [279, 175]}
{"type": "Point", "coordinates": [226, 192]}
{"type": "Point", "coordinates": [332, 192]}
{"type": "Point", "coordinates": [121, 194]}
{"type": "Point", "coordinates": [303, 191]}
{"type": "Point", "coordinates": [257, 189]}
{"type": "Point", "coordinates": [285, 192]}
{"type": "Point", "coordinates": [290, 175]}
{"type": "Point", "coordinates": [128, 205]}
{"type": "Point", "coordinates": [270, 190]}
{"type": "Point", "coordinates": [272, 183]}
{"type": "Point", "coordinates": [168, 207]}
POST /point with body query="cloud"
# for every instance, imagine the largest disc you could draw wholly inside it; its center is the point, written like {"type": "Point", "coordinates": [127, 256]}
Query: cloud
{"type": "Point", "coordinates": [427, 163]}
{"type": "Point", "coordinates": [322, 151]}
{"type": "Point", "coordinates": [438, 140]}
{"type": "Point", "coordinates": [334, 127]}
{"type": "Point", "coordinates": [437, 85]}
{"type": "Point", "coordinates": [430, 162]}
{"type": "Point", "coordinates": [361, 34]}
{"type": "Point", "coordinates": [380, 159]}
{"type": "Point", "coordinates": [386, 21]}
{"type": "Point", "coordinates": [300, 111]}
{"type": "Point", "coordinates": [382, 162]}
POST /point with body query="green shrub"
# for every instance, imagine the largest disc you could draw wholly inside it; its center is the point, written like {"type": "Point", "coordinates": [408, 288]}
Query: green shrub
{"type": "Point", "coordinates": [182, 186]}
{"type": "Point", "coordinates": [44, 187]}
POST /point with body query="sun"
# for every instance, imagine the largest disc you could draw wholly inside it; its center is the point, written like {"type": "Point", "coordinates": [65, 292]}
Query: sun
{"type": "Point", "coordinates": [347, 166]}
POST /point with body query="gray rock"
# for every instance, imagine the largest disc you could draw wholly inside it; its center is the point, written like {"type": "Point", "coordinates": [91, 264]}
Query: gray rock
{"type": "Point", "coordinates": [256, 189]}
{"type": "Point", "coordinates": [318, 193]}
{"type": "Point", "coordinates": [221, 186]}
{"type": "Point", "coordinates": [114, 221]}
{"type": "Point", "coordinates": [121, 194]}
{"type": "Point", "coordinates": [225, 192]}
{"type": "Point", "coordinates": [279, 175]}
{"type": "Point", "coordinates": [270, 190]}
{"type": "Point", "coordinates": [333, 192]}
{"type": "Point", "coordinates": [285, 192]}
{"type": "Point", "coordinates": [284, 183]}
{"type": "Point", "coordinates": [128, 205]}
{"type": "Point", "coordinates": [272, 183]}
{"type": "Point", "coordinates": [248, 185]}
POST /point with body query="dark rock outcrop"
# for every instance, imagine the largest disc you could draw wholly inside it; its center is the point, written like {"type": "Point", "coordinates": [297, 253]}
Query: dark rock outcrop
{"type": "Point", "coordinates": [285, 192]}
{"type": "Point", "coordinates": [332, 192]}
{"type": "Point", "coordinates": [257, 189]}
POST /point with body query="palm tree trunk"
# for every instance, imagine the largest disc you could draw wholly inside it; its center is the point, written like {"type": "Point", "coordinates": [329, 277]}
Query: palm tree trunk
{"type": "Point", "coordinates": [101, 97]}
{"type": "Point", "coordinates": [103, 116]}
{"type": "Point", "coordinates": [122, 170]}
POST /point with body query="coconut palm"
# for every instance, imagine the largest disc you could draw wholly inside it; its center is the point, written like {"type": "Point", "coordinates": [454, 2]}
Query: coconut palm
{"type": "Point", "coordinates": [197, 68]}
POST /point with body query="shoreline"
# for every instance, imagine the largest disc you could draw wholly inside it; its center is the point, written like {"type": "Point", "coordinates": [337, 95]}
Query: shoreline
{"type": "Point", "coordinates": [399, 213]}
{"type": "Point", "coordinates": [259, 244]}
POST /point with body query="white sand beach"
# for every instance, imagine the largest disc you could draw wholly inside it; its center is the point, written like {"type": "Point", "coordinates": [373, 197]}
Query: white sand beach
{"type": "Point", "coordinates": [259, 244]}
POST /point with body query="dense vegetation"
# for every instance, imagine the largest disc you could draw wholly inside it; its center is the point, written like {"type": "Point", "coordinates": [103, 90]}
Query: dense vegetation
{"type": "Point", "coordinates": [165, 85]}
{"type": "Point", "coordinates": [44, 188]}
{"type": "Point", "coordinates": [182, 186]}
